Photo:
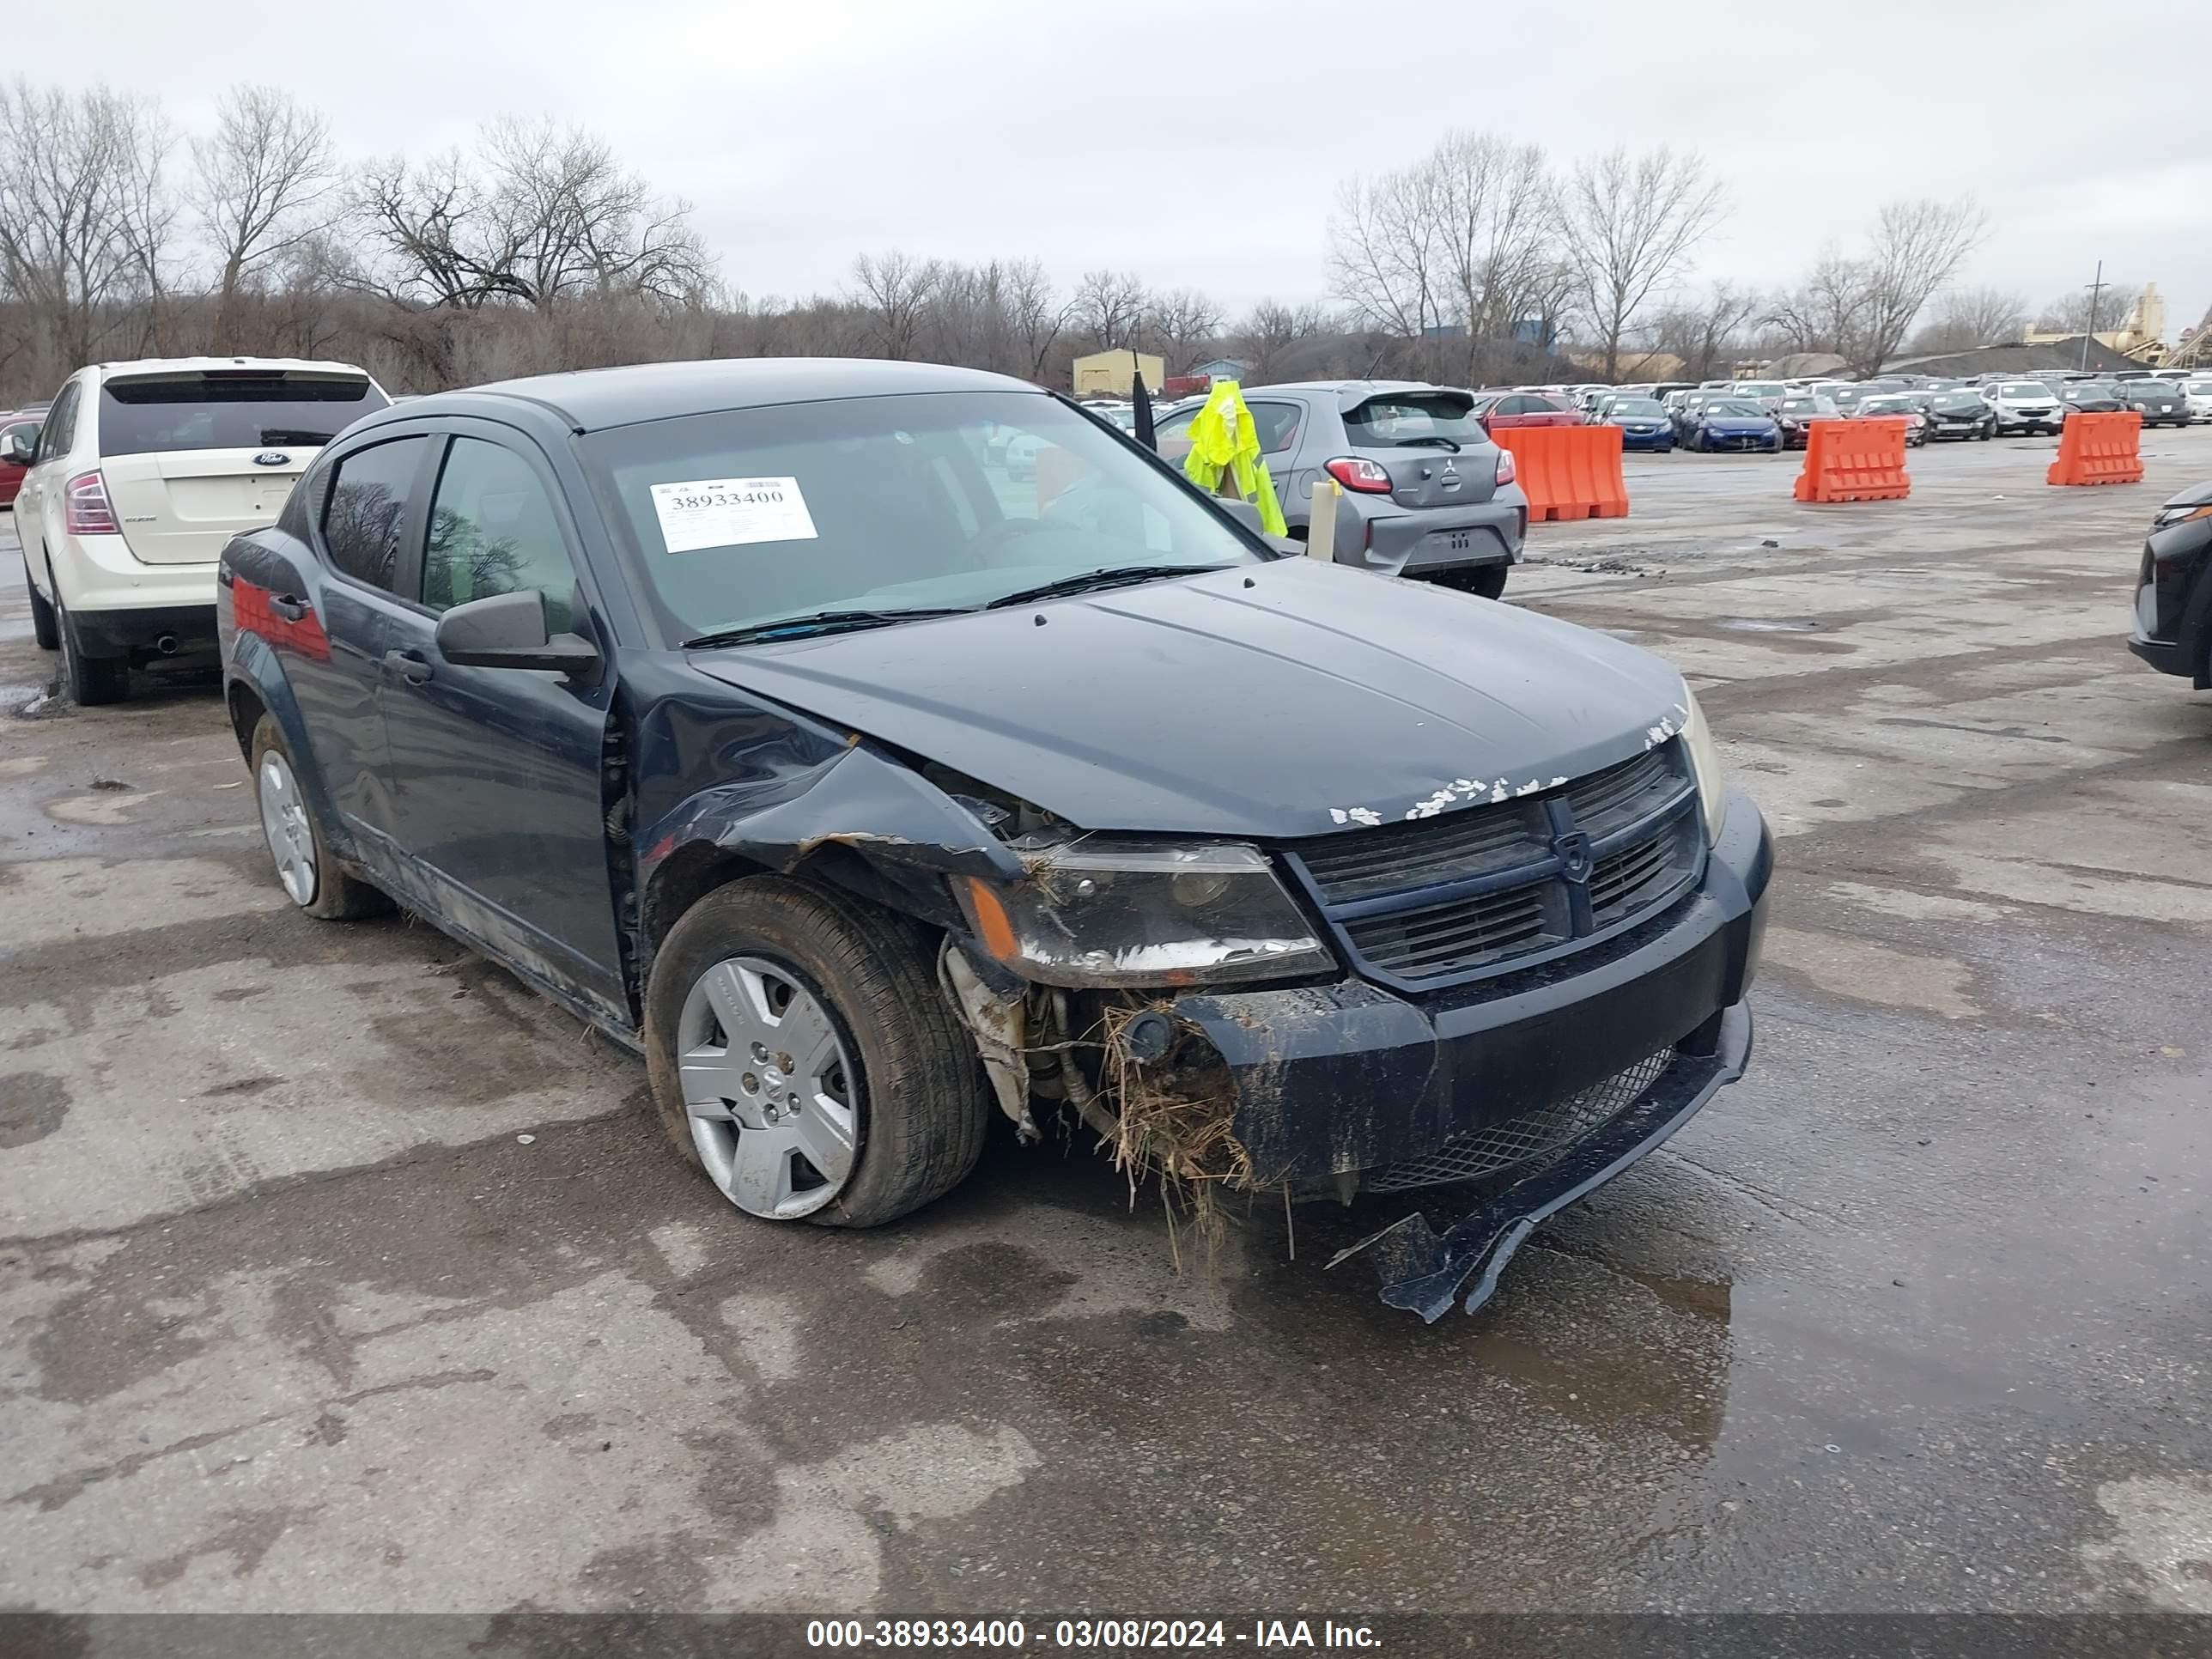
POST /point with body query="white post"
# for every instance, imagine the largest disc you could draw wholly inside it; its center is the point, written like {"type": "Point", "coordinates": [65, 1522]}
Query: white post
{"type": "Point", "coordinates": [1321, 523]}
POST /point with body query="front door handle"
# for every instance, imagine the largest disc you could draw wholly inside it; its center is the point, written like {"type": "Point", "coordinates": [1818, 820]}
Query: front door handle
{"type": "Point", "coordinates": [290, 606]}
{"type": "Point", "coordinates": [410, 665]}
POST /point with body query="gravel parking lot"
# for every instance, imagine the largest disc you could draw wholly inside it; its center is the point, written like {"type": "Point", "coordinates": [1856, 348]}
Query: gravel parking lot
{"type": "Point", "coordinates": [340, 1273]}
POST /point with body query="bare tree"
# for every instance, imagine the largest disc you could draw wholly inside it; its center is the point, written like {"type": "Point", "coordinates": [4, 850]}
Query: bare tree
{"type": "Point", "coordinates": [1630, 223]}
{"type": "Point", "coordinates": [1918, 247]}
{"type": "Point", "coordinates": [84, 221]}
{"type": "Point", "coordinates": [1184, 324]}
{"type": "Point", "coordinates": [1269, 332]}
{"type": "Point", "coordinates": [1498, 223]}
{"type": "Point", "coordinates": [892, 289]}
{"type": "Point", "coordinates": [1384, 257]}
{"type": "Point", "coordinates": [538, 214]}
{"type": "Point", "coordinates": [264, 182]}
{"type": "Point", "coordinates": [2069, 313]}
{"type": "Point", "coordinates": [1037, 314]}
{"type": "Point", "coordinates": [1110, 306]}
{"type": "Point", "coordinates": [1967, 318]}
{"type": "Point", "coordinates": [1706, 334]}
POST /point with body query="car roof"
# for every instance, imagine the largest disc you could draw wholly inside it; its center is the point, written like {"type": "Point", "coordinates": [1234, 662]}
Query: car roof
{"type": "Point", "coordinates": [594, 399]}
{"type": "Point", "coordinates": [194, 365]}
{"type": "Point", "coordinates": [1349, 394]}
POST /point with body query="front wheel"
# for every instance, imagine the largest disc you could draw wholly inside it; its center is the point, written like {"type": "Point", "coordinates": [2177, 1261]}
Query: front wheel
{"type": "Point", "coordinates": [45, 628]}
{"type": "Point", "coordinates": [804, 1057]}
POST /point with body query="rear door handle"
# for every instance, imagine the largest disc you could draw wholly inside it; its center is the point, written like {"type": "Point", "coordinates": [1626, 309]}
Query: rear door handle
{"type": "Point", "coordinates": [290, 606]}
{"type": "Point", "coordinates": [410, 665]}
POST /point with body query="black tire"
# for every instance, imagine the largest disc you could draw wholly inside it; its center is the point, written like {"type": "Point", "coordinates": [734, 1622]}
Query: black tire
{"type": "Point", "coordinates": [1485, 581]}
{"type": "Point", "coordinates": [923, 1108]}
{"type": "Point", "coordinates": [338, 896]}
{"type": "Point", "coordinates": [90, 681]}
{"type": "Point", "coordinates": [46, 628]}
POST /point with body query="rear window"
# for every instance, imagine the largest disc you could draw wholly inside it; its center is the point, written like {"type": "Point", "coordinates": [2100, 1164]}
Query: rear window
{"type": "Point", "coordinates": [1403, 418]}
{"type": "Point", "coordinates": [150, 415]}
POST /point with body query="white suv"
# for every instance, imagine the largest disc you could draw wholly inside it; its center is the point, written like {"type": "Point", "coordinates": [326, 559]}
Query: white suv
{"type": "Point", "coordinates": [141, 473]}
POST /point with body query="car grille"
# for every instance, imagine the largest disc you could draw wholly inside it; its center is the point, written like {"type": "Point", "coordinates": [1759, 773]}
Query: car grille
{"type": "Point", "coordinates": [1429, 901]}
{"type": "Point", "coordinates": [1529, 1139]}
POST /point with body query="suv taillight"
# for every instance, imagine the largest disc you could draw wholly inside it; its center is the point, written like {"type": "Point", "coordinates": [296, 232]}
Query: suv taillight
{"type": "Point", "coordinates": [85, 511]}
{"type": "Point", "coordinates": [1506, 466]}
{"type": "Point", "coordinates": [1358, 472]}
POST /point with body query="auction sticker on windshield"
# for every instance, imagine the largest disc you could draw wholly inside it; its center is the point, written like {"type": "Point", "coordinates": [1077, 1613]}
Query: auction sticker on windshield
{"type": "Point", "coordinates": [731, 512]}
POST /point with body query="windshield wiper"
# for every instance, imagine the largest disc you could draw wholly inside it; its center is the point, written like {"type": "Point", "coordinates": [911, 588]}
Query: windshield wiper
{"type": "Point", "coordinates": [1084, 581]}
{"type": "Point", "coordinates": [817, 622]}
{"type": "Point", "coordinates": [1452, 443]}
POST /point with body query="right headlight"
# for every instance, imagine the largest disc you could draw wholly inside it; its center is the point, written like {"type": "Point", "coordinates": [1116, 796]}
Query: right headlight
{"type": "Point", "coordinates": [1706, 765]}
{"type": "Point", "coordinates": [1099, 911]}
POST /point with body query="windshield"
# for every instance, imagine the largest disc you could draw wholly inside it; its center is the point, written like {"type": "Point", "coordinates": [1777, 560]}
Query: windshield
{"type": "Point", "coordinates": [223, 410]}
{"type": "Point", "coordinates": [932, 500]}
{"type": "Point", "coordinates": [1807, 406]}
{"type": "Point", "coordinates": [1417, 418]}
{"type": "Point", "coordinates": [1761, 389]}
{"type": "Point", "coordinates": [1958, 400]}
{"type": "Point", "coordinates": [1646, 407]}
{"type": "Point", "coordinates": [2024, 389]}
{"type": "Point", "coordinates": [1736, 408]}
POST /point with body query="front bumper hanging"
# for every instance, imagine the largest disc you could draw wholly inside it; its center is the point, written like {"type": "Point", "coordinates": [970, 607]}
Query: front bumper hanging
{"type": "Point", "coordinates": [1422, 1271]}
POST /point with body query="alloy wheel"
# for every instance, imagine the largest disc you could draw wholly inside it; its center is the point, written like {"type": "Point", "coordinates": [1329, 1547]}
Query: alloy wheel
{"type": "Point", "coordinates": [770, 1093]}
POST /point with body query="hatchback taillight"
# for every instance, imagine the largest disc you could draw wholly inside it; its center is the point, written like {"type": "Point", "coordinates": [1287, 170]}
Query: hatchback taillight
{"type": "Point", "coordinates": [1506, 466]}
{"type": "Point", "coordinates": [1358, 472]}
{"type": "Point", "coordinates": [85, 511]}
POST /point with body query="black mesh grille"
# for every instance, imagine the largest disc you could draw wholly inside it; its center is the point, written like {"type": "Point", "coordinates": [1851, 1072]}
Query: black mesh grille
{"type": "Point", "coordinates": [1527, 1139]}
{"type": "Point", "coordinates": [1426, 901]}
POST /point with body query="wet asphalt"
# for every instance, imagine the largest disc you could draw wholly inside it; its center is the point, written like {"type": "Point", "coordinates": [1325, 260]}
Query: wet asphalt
{"type": "Point", "coordinates": [340, 1273]}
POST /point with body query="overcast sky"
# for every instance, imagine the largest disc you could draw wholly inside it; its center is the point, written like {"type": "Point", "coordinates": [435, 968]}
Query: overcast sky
{"type": "Point", "coordinates": [1199, 144]}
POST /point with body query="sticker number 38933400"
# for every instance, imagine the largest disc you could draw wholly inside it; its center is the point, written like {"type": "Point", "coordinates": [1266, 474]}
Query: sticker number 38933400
{"type": "Point", "coordinates": [703, 513]}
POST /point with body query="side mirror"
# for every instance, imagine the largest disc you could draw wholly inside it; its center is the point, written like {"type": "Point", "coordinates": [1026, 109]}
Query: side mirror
{"type": "Point", "coordinates": [508, 630]}
{"type": "Point", "coordinates": [22, 448]}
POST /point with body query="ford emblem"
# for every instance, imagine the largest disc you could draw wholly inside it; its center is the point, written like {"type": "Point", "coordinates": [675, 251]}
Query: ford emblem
{"type": "Point", "coordinates": [272, 458]}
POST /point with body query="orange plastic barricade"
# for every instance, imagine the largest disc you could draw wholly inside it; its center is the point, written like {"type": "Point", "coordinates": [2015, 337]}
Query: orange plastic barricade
{"type": "Point", "coordinates": [1567, 471]}
{"type": "Point", "coordinates": [2098, 449]}
{"type": "Point", "coordinates": [1861, 460]}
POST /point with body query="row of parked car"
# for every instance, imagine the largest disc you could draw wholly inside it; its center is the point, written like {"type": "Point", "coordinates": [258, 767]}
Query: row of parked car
{"type": "Point", "coordinates": [766, 716]}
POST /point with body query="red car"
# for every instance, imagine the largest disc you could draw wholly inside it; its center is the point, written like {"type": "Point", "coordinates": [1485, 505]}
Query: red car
{"type": "Point", "coordinates": [1526, 408]}
{"type": "Point", "coordinates": [11, 476]}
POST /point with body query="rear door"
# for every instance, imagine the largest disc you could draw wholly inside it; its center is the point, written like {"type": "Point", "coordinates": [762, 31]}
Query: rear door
{"type": "Point", "coordinates": [1428, 441]}
{"type": "Point", "coordinates": [193, 457]}
{"type": "Point", "coordinates": [367, 527]}
{"type": "Point", "coordinates": [498, 773]}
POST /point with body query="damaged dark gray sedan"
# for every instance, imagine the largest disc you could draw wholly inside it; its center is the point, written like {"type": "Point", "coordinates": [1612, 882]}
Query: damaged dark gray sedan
{"type": "Point", "coordinates": [757, 713]}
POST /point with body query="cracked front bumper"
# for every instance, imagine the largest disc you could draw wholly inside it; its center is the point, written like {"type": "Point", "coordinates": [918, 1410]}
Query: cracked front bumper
{"type": "Point", "coordinates": [1335, 1081]}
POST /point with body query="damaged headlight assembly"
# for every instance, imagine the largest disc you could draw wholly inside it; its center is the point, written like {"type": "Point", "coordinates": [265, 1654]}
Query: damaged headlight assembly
{"type": "Point", "coordinates": [1096, 911]}
{"type": "Point", "coordinates": [1706, 764]}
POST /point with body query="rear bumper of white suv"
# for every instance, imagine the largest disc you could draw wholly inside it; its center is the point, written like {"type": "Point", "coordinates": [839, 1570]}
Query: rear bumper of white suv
{"type": "Point", "coordinates": [98, 573]}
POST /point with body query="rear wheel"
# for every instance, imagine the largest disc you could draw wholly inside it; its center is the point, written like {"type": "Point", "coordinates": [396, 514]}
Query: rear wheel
{"type": "Point", "coordinates": [1485, 581]}
{"type": "Point", "coordinates": [304, 866]}
{"type": "Point", "coordinates": [90, 681]}
{"type": "Point", "coordinates": [43, 627]}
{"type": "Point", "coordinates": [802, 1056]}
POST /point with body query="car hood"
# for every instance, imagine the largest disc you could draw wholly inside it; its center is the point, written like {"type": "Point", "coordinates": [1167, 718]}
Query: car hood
{"type": "Point", "coordinates": [2195, 496]}
{"type": "Point", "coordinates": [1274, 701]}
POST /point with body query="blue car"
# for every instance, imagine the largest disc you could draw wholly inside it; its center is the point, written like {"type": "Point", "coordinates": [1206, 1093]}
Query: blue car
{"type": "Point", "coordinates": [1642, 423]}
{"type": "Point", "coordinates": [1734, 423]}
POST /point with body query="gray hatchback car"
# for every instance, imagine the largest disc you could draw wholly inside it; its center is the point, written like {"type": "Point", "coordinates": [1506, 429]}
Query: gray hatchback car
{"type": "Point", "coordinates": [1426, 493]}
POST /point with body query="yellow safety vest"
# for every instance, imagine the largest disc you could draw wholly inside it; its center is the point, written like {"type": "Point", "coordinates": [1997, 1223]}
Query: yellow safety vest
{"type": "Point", "coordinates": [1222, 435]}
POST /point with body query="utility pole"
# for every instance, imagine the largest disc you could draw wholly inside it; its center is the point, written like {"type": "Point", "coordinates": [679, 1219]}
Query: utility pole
{"type": "Point", "coordinates": [2095, 289]}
